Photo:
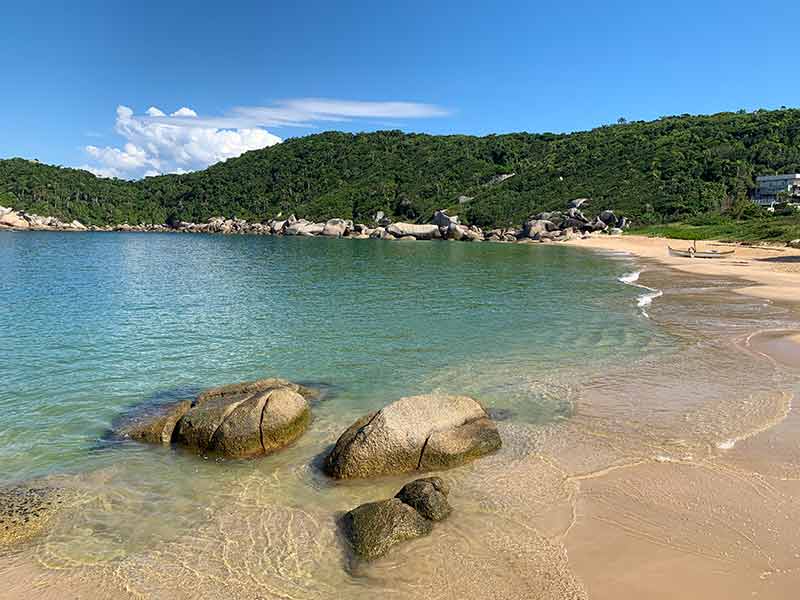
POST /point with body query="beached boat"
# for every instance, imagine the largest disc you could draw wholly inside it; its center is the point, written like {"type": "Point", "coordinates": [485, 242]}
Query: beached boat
{"type": "Point", "coordinates": [692, 253]}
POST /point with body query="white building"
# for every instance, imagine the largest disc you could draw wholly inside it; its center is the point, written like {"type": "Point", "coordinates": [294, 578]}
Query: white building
{"type": "Point", "coordinates": [769, 186]}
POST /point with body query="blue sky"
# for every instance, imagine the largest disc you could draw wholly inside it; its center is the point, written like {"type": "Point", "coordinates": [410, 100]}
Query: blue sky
{"type": "Point", "coordinates": [78, 77]}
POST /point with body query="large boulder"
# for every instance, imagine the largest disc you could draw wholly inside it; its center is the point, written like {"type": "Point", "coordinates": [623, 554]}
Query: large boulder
{"type": "Point", "coordinates": [574, 213]}
{"type": "Point", "coordinates": [245, 419]}
{"type": "Point", "coordinates": [608, 217]}
{"type": "Point", "coordinates": [313, 229]}
{"type": "Point", "coordinates": [532, 227]}
{"type": "Point", "coordinates": [276, 227]}
{"type": "Point", "coordinates": [421, 232]}
{"type": "Point", "coordinates": [794, 243]}
{"type": "Point", "coordinates": [26, 510]}
{"type": "Point", "coordinates": [14, 221]}
{"type": "Point", "coordinates": [598, 225]}
{"type": "Point", "coordinates": [442, 219]}
{"type": "Point", "coordinates": [375, 527]}
{"type": "Point", "coordinates": [414, 433]}
{"type": "Point", "coordinates": [337, 228]}
{"type": "Point", "coordinates": [296, 227]}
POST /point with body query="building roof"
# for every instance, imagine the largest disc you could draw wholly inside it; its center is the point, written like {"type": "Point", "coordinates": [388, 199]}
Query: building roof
{"type": "Point", "coordinates": [778, 177]}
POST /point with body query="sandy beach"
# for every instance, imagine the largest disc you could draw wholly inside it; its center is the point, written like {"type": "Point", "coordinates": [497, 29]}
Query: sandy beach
{"type": "Point", "coordinates": [680, 527]}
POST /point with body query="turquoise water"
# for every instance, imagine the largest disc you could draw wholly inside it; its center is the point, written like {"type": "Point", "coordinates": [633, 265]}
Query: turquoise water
{"type": "Point", "coordinates": [583, 377]}
{"type": "Point", "coordinates": [95, 324]}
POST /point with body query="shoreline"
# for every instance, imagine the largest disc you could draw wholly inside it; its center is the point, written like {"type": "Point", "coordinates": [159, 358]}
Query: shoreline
{"type": "Point", "coordinates": [768, 273]}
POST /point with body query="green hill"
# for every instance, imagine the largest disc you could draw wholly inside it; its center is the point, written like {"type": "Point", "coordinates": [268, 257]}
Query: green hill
{"type": "Point", "coordinates": [674, 168]}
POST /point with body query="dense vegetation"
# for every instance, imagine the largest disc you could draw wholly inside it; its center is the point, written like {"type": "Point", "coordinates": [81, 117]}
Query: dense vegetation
{"type": "Point", "coordinates": [673, 169]}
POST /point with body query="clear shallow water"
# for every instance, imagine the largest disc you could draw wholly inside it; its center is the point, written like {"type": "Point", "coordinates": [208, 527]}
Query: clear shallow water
{"type": "Point", "coordinates": [96, 324]}
{"type": "Point", "coordinates": [585, 382]}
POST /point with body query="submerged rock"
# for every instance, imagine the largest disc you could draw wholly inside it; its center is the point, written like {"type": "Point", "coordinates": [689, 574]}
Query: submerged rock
{"type": "Point", "coordinates": [154, 425]}
{"type": "Point", "coordinates": [375, 527]}
{"type": "Point", "coordinates": [26, 510]}
{"type": "Point", "coordinates": [246, 419]}
{"type": "Point", "coordinates": [415, 433]}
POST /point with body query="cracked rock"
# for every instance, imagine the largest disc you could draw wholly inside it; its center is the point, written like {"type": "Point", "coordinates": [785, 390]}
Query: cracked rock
{"type": "Point", "coordinates": [415, 433]}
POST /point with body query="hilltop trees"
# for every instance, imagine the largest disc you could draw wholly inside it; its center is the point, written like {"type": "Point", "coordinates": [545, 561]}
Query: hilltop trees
{"type": "Point", "coordinates": [669, 169]}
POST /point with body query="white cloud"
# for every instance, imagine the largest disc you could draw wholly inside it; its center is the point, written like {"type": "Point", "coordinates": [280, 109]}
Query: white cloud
{"type": "Point", "coordinates": [156, 144]}
{"type": "Point", "coordinates": [183, 141]}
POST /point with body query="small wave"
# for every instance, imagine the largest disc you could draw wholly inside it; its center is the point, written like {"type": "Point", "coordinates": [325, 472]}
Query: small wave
{"type": "Point", "coordinates": [647, 299]}
{"type": "Point", "coordinates": [727, 444]}
{"type": "Point", "coordinates": [629, 278]}
{"type": "Point", "coordinates": [644, 300]}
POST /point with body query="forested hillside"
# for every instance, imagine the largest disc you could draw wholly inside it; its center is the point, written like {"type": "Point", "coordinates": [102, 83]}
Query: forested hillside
{"type": "Point", "coordinates": [665, 170]}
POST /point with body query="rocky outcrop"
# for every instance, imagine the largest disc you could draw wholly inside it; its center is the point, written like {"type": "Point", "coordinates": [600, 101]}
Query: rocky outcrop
{"type": "Point", "coordinates": [794, 243]}
{"type": "Point", "coordinates": [543, 227]}
{"type": "Point", "coordinates": [11, 219]}
{"type": "Point", "coordinates": [374, 528]}
{"type": "Point", "coordinates": [415, 433]}
{"type": "Point", "coordinates": [25, 511]}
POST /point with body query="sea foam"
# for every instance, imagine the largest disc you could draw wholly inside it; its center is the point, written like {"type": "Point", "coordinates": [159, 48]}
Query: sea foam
{"type": "Point", "coordinates": [646, 299]}
{"type": "Point", "coordinates": [629, 278]}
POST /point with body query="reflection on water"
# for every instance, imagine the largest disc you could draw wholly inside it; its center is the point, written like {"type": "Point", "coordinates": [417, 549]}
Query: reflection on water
{"type": "Point", "coordinates": [668, 440]}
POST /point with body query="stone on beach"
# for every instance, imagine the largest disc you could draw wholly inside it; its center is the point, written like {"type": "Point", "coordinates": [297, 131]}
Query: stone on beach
{"type": "Point", "coordinates": [533, 227]}
{"type": "Point", "coordinates": [414, 433]}
{"type": "Point", "coordinates": [442, 219]}
{"type": "Point", "coordinates": [337, 228]}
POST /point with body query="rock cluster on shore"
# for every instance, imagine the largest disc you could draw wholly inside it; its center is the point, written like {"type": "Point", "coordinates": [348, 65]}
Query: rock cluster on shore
{"type": "Point", "coordinates": [542, 227]}
{"type": "Point", "coordinates": [11, 219]}
{"type": "Point", "coordinates": [255, 418]}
